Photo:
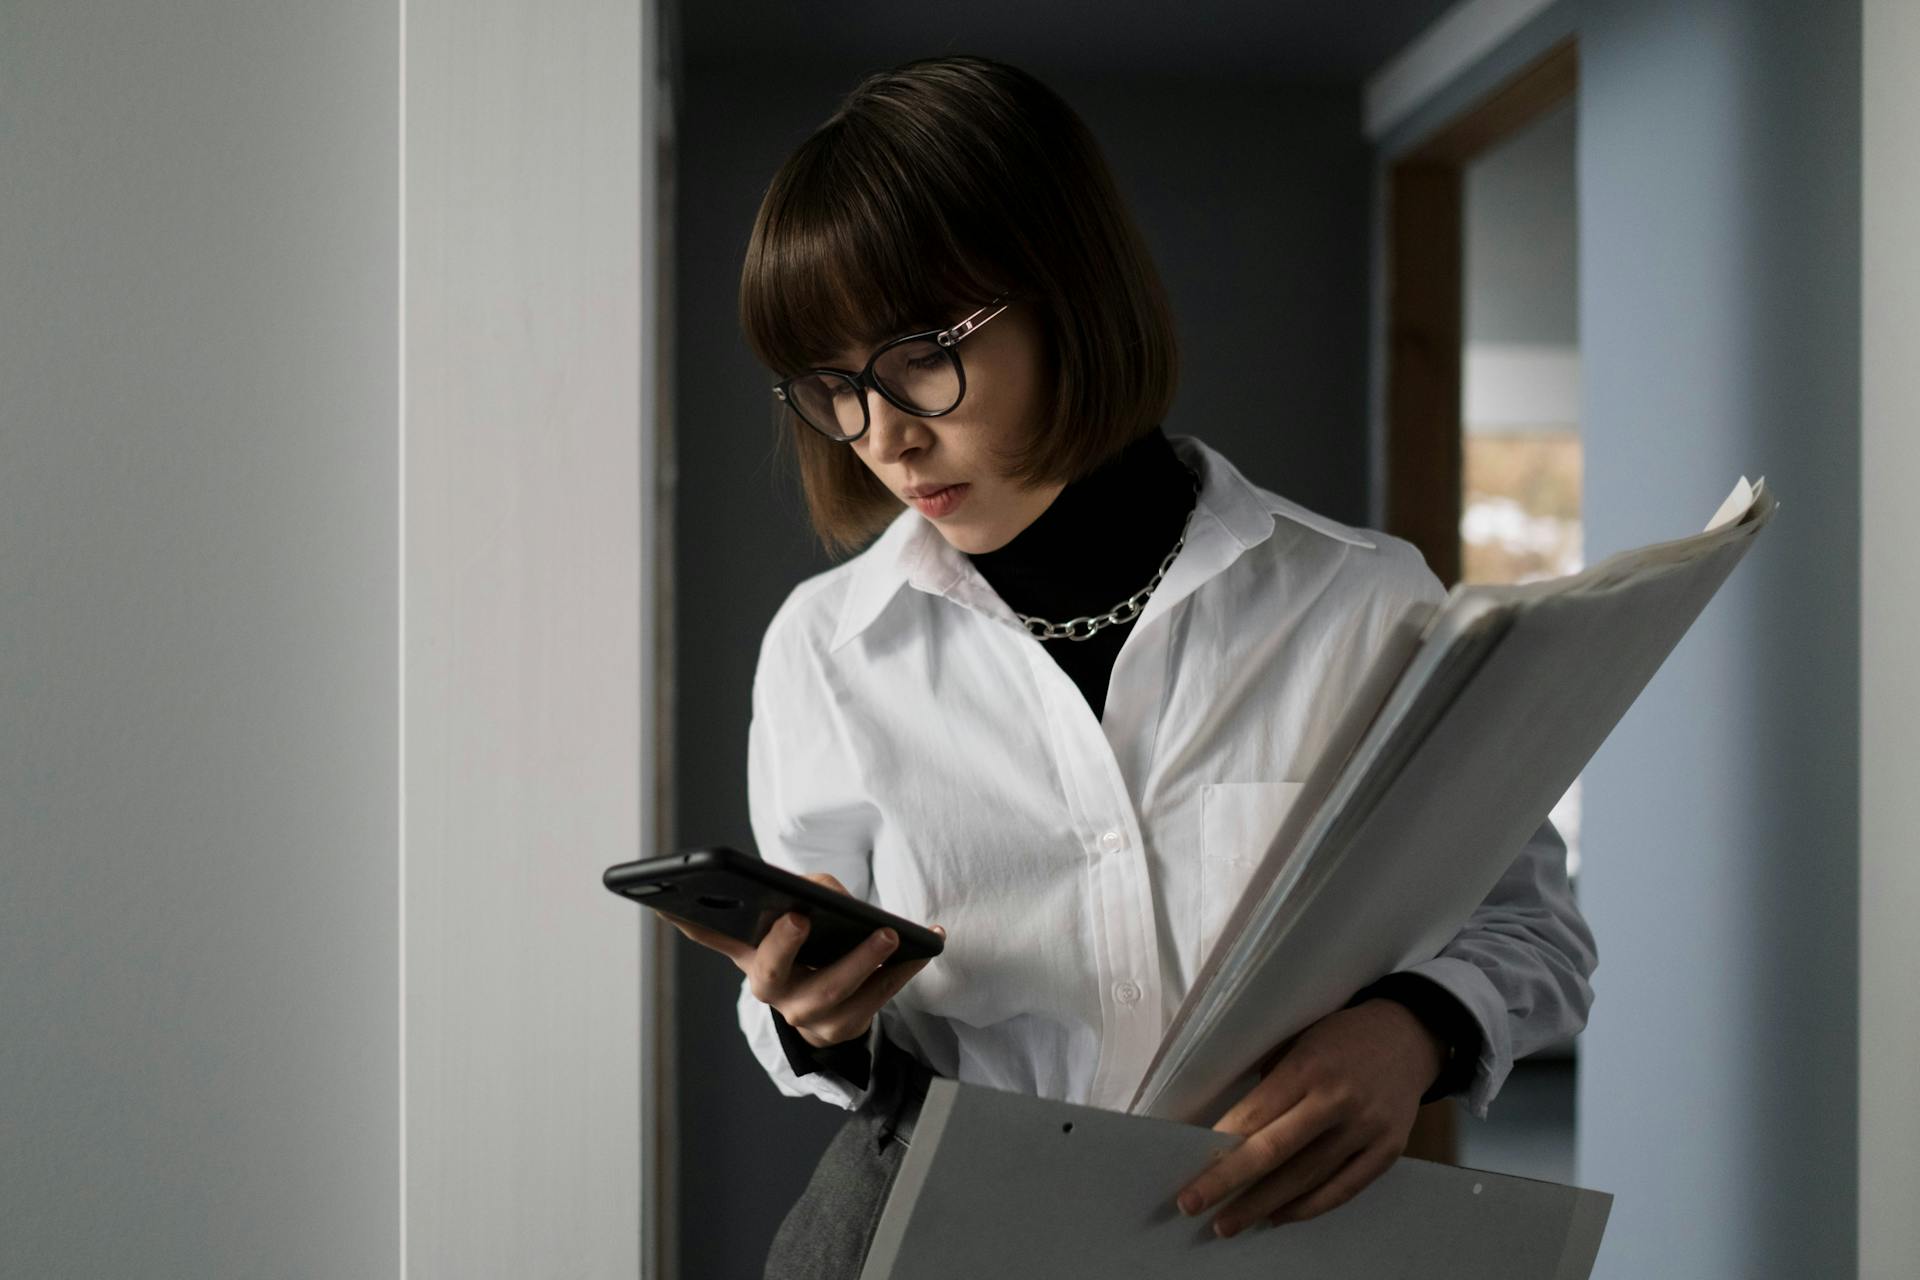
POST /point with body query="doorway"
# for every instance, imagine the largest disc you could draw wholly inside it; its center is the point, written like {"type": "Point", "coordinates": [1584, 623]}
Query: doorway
{"type": "Point", "coordinates": [1482, 457]}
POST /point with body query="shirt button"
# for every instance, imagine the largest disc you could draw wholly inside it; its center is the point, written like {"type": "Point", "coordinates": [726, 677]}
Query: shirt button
{"type": "Point", "coordinates": [1126, 992]}
{"type": "Point", "coordinates": [1111, 841]}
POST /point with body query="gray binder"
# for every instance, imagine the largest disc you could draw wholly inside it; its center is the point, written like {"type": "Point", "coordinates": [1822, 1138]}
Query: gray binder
{"type": "Point", "coordinates": [1005, 1184]}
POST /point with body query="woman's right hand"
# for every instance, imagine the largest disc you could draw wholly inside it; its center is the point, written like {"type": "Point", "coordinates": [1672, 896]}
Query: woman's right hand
{"type": "Point", "coordinates": [827, 1005]}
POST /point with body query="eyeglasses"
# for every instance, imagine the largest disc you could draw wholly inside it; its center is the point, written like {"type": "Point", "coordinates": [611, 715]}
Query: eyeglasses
{"type": "Point", "coordinates": [919, 372]}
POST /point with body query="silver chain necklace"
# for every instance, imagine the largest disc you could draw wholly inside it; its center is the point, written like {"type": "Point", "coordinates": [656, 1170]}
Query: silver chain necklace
{"type": "Point", "coordinates": [1090, 625]}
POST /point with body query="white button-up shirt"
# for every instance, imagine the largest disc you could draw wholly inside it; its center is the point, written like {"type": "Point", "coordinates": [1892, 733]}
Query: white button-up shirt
{"type": "Point", "coordinates": [910, 737]}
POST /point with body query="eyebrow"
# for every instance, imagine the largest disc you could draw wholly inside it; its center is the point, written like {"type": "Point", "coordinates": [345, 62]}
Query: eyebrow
{"type": "Point", "coordinates": [864, 350]}
{"type": "Point", "coordinates": [867, 348]}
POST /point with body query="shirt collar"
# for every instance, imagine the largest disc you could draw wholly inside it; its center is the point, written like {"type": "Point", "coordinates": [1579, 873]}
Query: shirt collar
{"type": "Point", "coordinates": [1233, 516]}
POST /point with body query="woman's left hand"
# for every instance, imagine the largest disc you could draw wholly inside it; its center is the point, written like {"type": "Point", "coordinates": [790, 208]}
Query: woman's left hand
{"type": "Point", "coordinates": [1330, 1116]}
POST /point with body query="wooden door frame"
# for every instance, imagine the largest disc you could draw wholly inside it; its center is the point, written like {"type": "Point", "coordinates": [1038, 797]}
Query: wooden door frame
{"type": "Point", "coordinates": [1421, 477]}
{"type": "Point", "coordinates": [1425, 333]}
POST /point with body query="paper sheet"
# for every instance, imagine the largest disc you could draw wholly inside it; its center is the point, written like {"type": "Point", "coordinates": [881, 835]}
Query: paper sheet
{"type": "Point", "coordinates": [1505, 697]}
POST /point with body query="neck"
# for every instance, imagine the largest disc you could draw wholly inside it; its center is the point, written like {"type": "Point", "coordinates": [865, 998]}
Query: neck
{"type": "Point", "coordinates": [1100, 539]}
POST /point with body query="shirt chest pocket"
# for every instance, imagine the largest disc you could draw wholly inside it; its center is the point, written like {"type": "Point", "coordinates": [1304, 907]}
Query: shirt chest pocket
{"type": "Point", "coordinates": [1238, 820]}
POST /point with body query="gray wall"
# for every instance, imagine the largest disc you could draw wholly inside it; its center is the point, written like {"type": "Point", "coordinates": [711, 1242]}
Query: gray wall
{"type": "Point", "coordinates": [1253, 198]}
{"type": "Point", "coordinates": [1720, 210]}
{"type": "Point", "coordinates": [198, 669]}
{"type": "Point", "coordinates": [321, 645]}
{"type": "Point", "coordinates": [1521, 236]}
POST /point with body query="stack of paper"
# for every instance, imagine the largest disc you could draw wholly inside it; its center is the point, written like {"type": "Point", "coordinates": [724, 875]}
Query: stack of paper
{"type": "Point", "coordinates": [1475, 720]}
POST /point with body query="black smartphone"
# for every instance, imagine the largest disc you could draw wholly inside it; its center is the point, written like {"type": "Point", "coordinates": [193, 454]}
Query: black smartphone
{"type": "Point", "coordinates": [742, 897]}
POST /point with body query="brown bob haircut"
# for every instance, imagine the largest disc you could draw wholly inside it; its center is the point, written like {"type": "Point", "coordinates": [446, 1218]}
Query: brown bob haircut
{"type": "Point", "coordinates": [934, 187]}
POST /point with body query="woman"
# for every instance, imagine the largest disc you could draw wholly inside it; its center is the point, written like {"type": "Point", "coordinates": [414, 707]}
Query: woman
{"type": "Point", "coordinates": [1062, 700]}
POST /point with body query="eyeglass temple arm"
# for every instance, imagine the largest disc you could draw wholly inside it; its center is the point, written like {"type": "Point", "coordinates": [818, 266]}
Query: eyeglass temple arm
{"type": "Point", "coordinates": [972, 322]}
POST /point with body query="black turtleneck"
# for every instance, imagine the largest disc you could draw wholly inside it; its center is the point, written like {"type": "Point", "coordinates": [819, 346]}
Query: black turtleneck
{"type": "Point", "coordinates": [1099, 541]}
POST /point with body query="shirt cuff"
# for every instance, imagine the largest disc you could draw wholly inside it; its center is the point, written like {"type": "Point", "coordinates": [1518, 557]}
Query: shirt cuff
{"type": "Point", "coordinates": [1442, 1014]}
{"type": "Point", "coordinates": [851, 1060]}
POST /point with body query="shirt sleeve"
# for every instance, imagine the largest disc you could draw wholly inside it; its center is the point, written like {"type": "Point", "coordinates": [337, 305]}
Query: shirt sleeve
{"type": "Point", "coordinates": [1520, 966]}
{"type": "Point", "coordinates": [851, 1061]}
{"type": "Point", "coordinates": [810, 813]}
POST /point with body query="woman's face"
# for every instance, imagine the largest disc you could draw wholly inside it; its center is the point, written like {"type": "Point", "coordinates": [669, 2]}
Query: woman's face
{"type": "Point", "coordinates": [950, 468]}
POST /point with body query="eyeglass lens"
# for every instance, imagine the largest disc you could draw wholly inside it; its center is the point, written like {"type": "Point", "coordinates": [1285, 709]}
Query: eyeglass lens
{"type": "Point", "coordinates": [920, 373]}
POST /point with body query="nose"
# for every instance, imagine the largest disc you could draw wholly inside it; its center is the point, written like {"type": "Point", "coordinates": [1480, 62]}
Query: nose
{"type": "Point", "coordinates": [892, 433]}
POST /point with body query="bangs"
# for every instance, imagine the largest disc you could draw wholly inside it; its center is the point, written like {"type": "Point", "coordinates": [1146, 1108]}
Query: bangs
{"type": "Point", "coordinates": [857, 242]}
{"type": "Point", "coordinates": [934, 188]}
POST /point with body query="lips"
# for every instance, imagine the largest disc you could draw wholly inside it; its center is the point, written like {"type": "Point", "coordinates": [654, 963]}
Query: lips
{"type": "Point", "coordinates": [935, 501]}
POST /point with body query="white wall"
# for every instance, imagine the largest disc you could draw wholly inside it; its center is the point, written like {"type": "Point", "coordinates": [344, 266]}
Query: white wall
{"type": "Point", "coordinates": [1889, 672]}
{"type": "Point", "coordinates": [523, 758]}
{"type": "Point", "coordinates": [320, 639]}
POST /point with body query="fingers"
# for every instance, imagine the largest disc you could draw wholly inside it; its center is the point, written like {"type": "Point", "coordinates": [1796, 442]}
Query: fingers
{"type": "Point", "coordinates": [1267, 1149]}
{"type": "Point", "coordinates": [828, 1005]}
{"type": "Point", "coordinates": [1304, 1174]}
{"type": "Point", "coordinates": [1348, 1182]}
{"type": "Point", "coordinates": [813, 997]}
{"type": "Point", "coordinates": [1266, 1102]}
{"type": "Point", "coordinates": [851, 1017]}
{"type": "Point", "coordinates": [732, 948]}
{"type": "Point", "coordinates": [827, 879]}
{"type": "Point", "coordinates": [769, 967]}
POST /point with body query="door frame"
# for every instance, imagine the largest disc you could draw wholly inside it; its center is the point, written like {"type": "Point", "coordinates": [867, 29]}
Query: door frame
{"type": "Point", "coordinates": [1425, 282]}
{"type": "Point", "coordinates": [1418, 353]}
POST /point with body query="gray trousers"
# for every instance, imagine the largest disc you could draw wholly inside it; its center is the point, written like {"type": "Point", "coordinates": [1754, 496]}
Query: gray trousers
{"type": "Point", "coordinates": [827, 1233]}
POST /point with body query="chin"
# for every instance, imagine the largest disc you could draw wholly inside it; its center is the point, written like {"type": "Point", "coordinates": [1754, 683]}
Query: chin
{"type": "Point", "coordinates": [970, 540]}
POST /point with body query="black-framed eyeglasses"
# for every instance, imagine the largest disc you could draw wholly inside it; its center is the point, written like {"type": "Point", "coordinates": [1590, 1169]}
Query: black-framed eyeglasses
{"type": "Point", "coordinates": [921, 373]}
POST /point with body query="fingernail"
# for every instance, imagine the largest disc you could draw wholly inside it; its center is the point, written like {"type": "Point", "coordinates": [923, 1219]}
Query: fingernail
{"type": "Point", "coordinates": [887, 938]}
{"type": "Point", "coordinates": [1221, 1229]}
{"type": "Point", "coordinates": [942, 932]}
{"type": "Point", "coordinates": [1190, 1202]}
{"type": "Point", "coordinates": [795, 922]}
